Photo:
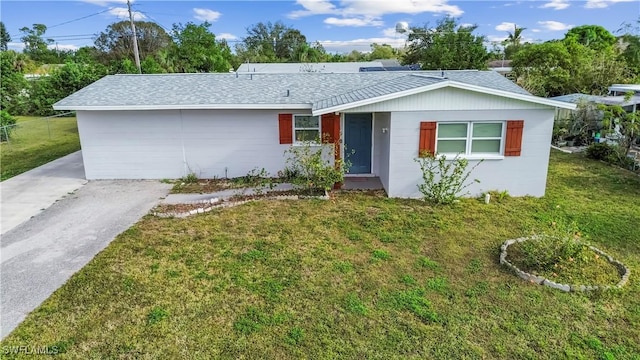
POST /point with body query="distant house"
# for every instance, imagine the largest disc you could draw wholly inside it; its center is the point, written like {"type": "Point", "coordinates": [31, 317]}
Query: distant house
{"type": "Point", "coordinates": [225, 125]}
{"type": "Point", "coordinates": [617, 96]}
{"type": "Point", "coordinates": [502, 67]}
{"type": "Point", "coordinates": [320, 67]}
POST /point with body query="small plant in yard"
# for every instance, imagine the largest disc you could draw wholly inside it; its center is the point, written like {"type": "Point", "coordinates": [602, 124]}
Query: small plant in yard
{"type": "Point", "coordinates": [380, 254]}
{"type": "Point", "coordinates": [546, 250]}
{"type": "Point", "coordinates": [309, 166]}
{"type": "Point", "coordinates": [190, 178]}
{"type": "Point", "coordinates": [156, 315]}
{"type": "Point", "coordinates": [295, 336]}
{"type": "Point", "coordinates": [443, 180]}
{"type": "Point", "coordinates": [259, 179]}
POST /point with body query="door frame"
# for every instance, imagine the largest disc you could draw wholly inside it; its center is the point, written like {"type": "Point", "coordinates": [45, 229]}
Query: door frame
{"type": "Point", "coordinates": [342, 126]}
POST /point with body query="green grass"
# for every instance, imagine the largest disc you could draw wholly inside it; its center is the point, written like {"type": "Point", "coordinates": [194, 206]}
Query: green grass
{"type": "Point", "coordinates": [34, 143]}
{"type": "Point", "coordinates": [313, 279]}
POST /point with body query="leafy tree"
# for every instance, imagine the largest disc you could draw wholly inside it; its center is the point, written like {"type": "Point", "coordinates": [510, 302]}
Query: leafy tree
{"type": "Point", "coordinates": [195, 49]}
{"type": "Point", "coordinates": [61, 83]}
{"type": "Point", "coordinates": [629, 44]}
{"type": "Point", "coordinates": [271, 42]}
{"type": "Point", "coordinates": [355, 55]}
{"type": "Point", "coordinates": [36, 46]}
{"type": "Point", "coordinates": [383, 51]}
{"type": "Point", "coordinates": [592, 36]}
{"type": "Point", "coordinates": [307, 53]}
{"type": "Point", "coordinates": [115, 43]}
{"type": "Point", "coordinates": [5, 38]}
{"type": "Point", "coordinates": [561, 67]}
{"type": "Point", "coordinates": [151, 66]}
{"type": "Point", "coordinates": [447, 46]}
{"type": "Point", "coordinates": [13, 85]}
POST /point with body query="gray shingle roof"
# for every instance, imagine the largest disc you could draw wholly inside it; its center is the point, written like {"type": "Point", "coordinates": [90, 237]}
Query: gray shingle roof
{"type": "Point", "coordinates": [391, 86]}
{"type": "Point", "coordinates": [192, 90]}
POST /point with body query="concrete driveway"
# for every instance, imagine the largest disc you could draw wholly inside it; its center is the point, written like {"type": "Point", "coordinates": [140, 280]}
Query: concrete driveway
{"type": "Point", "coordinates": [27, 194]}
{"type": "Point", "coordinates": [41, 254]}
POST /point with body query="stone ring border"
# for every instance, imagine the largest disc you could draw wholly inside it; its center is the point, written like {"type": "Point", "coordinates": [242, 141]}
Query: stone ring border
{"type": "Point", "coordinates": [622, 269]}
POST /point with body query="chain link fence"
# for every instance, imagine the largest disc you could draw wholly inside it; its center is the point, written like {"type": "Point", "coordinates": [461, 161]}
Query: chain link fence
{"type": "Point", "coordinates": [36, 131]}
{"type": "Point", "coordinates": [32, 142]}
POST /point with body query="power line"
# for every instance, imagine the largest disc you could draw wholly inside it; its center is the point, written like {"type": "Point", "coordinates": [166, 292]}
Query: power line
{"type": "Point", "coordinates": [78, 19]}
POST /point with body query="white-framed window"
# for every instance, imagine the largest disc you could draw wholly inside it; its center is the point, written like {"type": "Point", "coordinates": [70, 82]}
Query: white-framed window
{"type": "Point", "coordinates": [306, 128]}
{"type": "Point", "coordinates": [470, 138]}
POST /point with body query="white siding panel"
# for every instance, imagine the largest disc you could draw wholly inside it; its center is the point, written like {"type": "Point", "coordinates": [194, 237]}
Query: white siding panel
{"type": "Point", "coordinates": [520, 175]}
{"type": "Point", "coordinates": [155, 144]}
{"type": "Point", "coordinates": [448, 99]}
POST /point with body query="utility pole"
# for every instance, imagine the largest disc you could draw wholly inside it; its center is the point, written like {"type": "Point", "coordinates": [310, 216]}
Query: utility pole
{"type": "Point", "coordinates": [135, 38]}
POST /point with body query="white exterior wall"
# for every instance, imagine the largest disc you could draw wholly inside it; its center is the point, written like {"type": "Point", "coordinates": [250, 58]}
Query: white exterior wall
{"type": "Point", "coordinates": [171, 143]}
{"type": "Point", "coordinates": [519, 175]}
{"type": "Point", "coordinates": [381, 147]}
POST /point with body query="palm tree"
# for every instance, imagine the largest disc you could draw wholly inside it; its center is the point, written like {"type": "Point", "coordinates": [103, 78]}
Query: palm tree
{"type": "Point", "coordinates": [512, 42]}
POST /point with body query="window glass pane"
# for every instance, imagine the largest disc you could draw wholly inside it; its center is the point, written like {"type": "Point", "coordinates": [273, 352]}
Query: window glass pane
{"type": "Point", "coordinates": [485, 146]}
{"type": "Point", "coordinates": [307, 121]}
{"type": "Point", "coordinates": [487, 130]}
{"type": "Point", "coordinates": [452, 146]}
{"type": "Point", "coordinates": [452, 130]}
{"type": "Point", "coordinates": [307, 135]}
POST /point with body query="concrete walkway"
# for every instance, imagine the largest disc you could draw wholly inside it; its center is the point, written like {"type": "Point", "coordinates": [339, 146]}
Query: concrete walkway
{"type": "Point", "coordinates": [40, 255]}
{"type": "Point", "coordinates": [27, 194]}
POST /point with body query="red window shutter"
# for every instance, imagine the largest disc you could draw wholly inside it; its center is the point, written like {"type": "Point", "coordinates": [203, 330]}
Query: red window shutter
{"type": "Point", "coordinates": [513, 141]}
{"type": "Point", "coordinates": [330, 124]}
{"type": "Point", "coordinates": [427, 137]}
{"type": "Point", "coordinates": [330, 128]}
{"type": "Point", "coordinates": [286, 128]}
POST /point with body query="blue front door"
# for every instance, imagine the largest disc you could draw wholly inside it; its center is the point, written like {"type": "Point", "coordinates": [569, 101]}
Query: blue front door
{"type": "Point", "coordinates": [357, 142]}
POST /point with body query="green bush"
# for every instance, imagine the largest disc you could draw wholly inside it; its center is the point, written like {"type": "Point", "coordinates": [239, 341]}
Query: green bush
{"type": "Point", "coordinates": [7, 124]}
{"type": "Point", "coordinates": [310, 166]}
{"type": "Point", "coordinates": [443, 179]}
{"type": "Point", "coordinates": [601, 151]}
{"type": "Point", "coordinates": [611, 154]}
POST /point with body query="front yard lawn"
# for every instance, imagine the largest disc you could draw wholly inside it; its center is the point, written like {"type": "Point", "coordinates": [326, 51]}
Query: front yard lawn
{"type": "Point", "coordinates": [358, 276]}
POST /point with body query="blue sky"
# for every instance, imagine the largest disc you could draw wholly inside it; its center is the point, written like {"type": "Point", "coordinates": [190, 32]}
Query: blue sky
{"type": "Point", "coordinates": [340, 26]}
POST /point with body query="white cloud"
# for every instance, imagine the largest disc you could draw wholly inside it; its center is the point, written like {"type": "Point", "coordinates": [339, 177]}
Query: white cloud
{"type": "Point", "coordinates": [506, 26]}
{"type": "Point", "coordinates": [556, 5]}
{"type": "Point", "coordinates": [15, 45]}
{"type": "Point", "coordinates": [122, 12]}
{"type": "Point", "coordinates": [313, 7]}
{"type": "Point", "coordinates": [63, 46]}
{"type": "Point", "coordinates": [363, 45]}
{"type": "Point", "coordinates": [374, 9]}
{"type": "Point", "coordinates": [356, 22]}
{"type": "Point", "coordinates": [206, 14]}
{"type": "Point", "coordinates": [496, 38]}
{"type": "Point", "coordinates": [535, 30]}
{"type": "Point", "coordinates": [554, 25]}
{"type": "Point", "coordinates": [226, 36]}
{"type": "Point", "coordinates": [601, 4]}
